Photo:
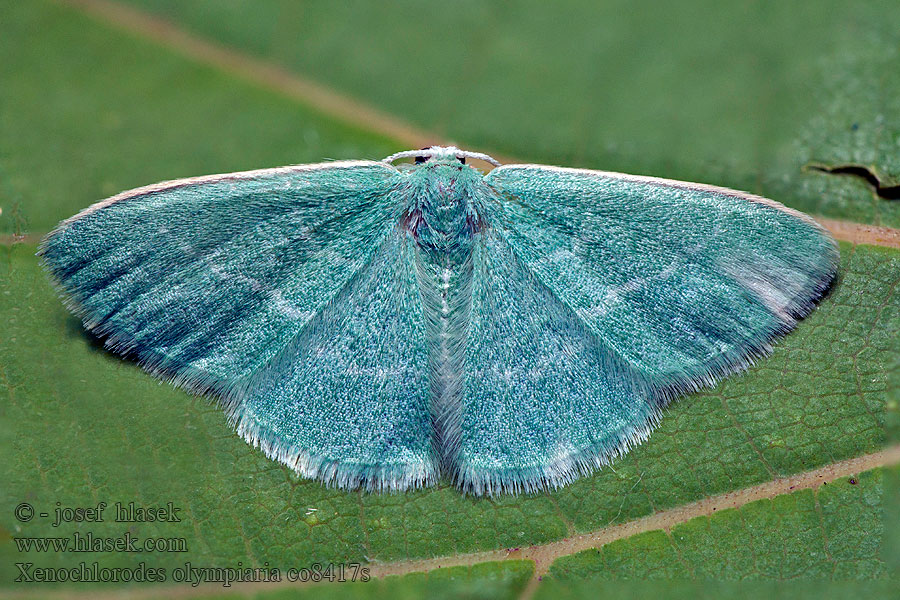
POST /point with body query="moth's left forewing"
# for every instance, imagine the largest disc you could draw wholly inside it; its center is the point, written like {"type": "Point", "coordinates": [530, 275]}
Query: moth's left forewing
{"type": "Point", "coordinates": [641, 251]}
{"type": "Point", "coordinates": [677, 284]}
{"type": "Point", "coordinates": [182, 271]}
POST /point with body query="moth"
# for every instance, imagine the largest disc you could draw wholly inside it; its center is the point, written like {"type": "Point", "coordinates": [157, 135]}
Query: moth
{"type": "Point", "coordinates": [378, 326]}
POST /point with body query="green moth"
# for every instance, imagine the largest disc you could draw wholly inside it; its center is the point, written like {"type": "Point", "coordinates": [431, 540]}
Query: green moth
{"type": "Point", "coordinates": [378, 326]}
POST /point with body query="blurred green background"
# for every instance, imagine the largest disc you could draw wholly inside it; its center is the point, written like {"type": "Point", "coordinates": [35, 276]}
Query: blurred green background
{"type": "Point", "coordinates": [737, 94]}
{"type": "Point", "coordinates": [97, 97]}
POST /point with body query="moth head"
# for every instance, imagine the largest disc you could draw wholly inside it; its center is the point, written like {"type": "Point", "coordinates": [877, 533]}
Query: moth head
{"type": "Point", "coordinates": [440, 154]}
{"type": "Point", "coordinates": [446, 155]}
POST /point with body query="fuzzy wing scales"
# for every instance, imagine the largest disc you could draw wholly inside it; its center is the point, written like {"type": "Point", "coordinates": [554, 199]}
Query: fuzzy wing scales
{"type": "Point", "coordinates": [347, 400]}
{"type": "Point", "coordinates": [686, 282]}
{"type": "Point", "coordinates": [543, 400]}
{"type": "Point", "coordinates": [203, 281]}
{"type": "Point", "coordinates": [599, 297]}
{"type": "Point", "coordinates": [261, 287]}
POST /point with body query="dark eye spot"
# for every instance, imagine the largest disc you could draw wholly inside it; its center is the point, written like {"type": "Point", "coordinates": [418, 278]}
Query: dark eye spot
{"type": "Point", "coordinates": [421, 159]}
{"type": "Point", "coordinates": [461, 159]}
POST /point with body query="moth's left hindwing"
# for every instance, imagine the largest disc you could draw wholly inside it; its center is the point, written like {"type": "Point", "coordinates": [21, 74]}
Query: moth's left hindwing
{"type": "Point", "coordinates": [598, 297]}
{"type": "Point", "coordinates": [209, 282]}
{"type": "Point", "coordinates": [543, 399]}
{"type": "Point", "coordinates": [686, 281]}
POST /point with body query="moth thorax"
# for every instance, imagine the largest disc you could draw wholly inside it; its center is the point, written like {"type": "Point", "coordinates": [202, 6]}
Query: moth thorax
{"type": "Point", "coordinates": [446, 212]}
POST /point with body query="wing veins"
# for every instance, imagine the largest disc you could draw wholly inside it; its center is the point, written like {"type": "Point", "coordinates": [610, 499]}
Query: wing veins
{"type": "Point", "coordinates": [601, 341]}
{"type": "Point", "coordinates": [291, 343]}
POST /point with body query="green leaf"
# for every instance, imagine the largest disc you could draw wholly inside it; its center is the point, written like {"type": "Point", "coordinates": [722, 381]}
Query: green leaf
{"type": "Point", "coordinates": [805, 589]}
{"type": "Point", "coordinates": [834, 532]}
{"type": "Point", "coordinates": [87, 110]}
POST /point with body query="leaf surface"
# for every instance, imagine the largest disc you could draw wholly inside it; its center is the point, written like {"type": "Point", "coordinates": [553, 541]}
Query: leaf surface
{"type": "Point", "coordinates": [87, 110]}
